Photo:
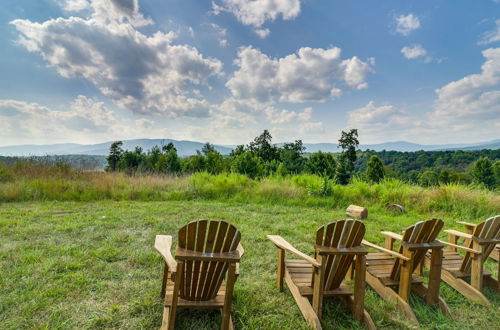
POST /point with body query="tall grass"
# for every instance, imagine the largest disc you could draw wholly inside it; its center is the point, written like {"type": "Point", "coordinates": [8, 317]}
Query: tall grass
{"type": "Point", "coordinates": [32, 182]}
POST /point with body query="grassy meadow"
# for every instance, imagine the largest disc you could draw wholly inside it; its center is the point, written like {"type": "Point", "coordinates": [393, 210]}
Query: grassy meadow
{"type": "Point", "coordinates": [76, 248]}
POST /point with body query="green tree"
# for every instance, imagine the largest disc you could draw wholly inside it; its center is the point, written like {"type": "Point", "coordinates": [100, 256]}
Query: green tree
{"type": "Point", "coordinates": [166, 148]}
{"type": "Point", "coordinates": [263, 148]}
{"type": "Point", "coordinates": [237, 151]}
{"type": "Point", "coordinates": [131, 161]}
{"type": "Point", "coordinates": [444, 177]}
{"type": "Point", "coordinates": [345, 167]}
{"type": "Point", "coordinates": [343, 170]}
{"type": "Point", "coordinates": [169, 162]}
{"type": "Point", "coordinates": [115, 154]}
{"type": "Point", "coordinates": [348, 142]}
{"type": "Point", "coordinates": [496, 171]}
{"type": "Point", "coordinates": [321, 163]}
{"type": "Point", "coordinates": [428, 178]}
{"type": "Point", "coordinates": [291, 156]}
{"type": "Point", "coordinates": [207, 148]}
{"type": "Point", "coordinates": [249, 164]}
{"type": "Point", "coordinates": [375, 169]}
{"type": "Point", "coordinates": [214, 162]}
{"type": "Point", "coordinates": [482, 172]}
{"type": "Point", "coordinates": [192, 164]}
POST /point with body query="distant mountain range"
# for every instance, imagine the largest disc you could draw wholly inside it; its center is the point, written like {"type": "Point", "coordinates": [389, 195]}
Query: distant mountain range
{"type": "Point", "coordinates": [186, 148]}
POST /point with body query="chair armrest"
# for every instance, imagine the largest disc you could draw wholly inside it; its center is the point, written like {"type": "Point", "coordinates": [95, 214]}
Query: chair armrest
{"type": "Point", "coordinates": [398, 255]}
{"type": "Point", "coordinates": [185, 254]}
{"type": "Point", "coordinates": [458, 233]}
{"type": "Point", "coordinates": [163, 244]}
{"type": "Point", "coordinates": [461, 247]}
{"type": "Point", "coordinates": [282, 244]}
{"type": "Point", "coordinates": [331, 250]}
{"type": "Point", "coordinates": [486, 240]}
{"type": "Point", "coordinates": [241, 251]}
{"type": "Point", "coordinates": [423, 246]}
{"type": "Point", "coordinates": [392, 235]}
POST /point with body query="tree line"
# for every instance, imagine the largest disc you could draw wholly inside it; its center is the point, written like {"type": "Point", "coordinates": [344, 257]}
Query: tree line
{"type": "Point", "coordinates": [261, 158]}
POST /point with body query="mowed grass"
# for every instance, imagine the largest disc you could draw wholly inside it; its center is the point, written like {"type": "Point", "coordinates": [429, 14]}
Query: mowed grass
{"type": "Point", "coordinates": [93, 265]}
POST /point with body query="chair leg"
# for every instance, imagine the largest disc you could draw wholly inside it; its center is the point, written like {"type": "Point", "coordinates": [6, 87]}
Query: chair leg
{"type": "Point", "coordinates": [476, 279]}
{"type": "Point", "coordinates": [166, 318]}
{"type": "Point", "coordinates": [405, 280]}
{"type": "Point", "coordinates": [359, 287]}
{"type": "Point", "coordinates": [281, 268]}
{"type": "Point", "coordinates": [175, 295]}
{"type": "Point", "coordinates": [165, 278]}
{"type": "Point", "coordinates": [319, 281]}
{"type": "Point", "coordinates": [432, 295]}
{"type": "Point", "coordinates": [226, 310]}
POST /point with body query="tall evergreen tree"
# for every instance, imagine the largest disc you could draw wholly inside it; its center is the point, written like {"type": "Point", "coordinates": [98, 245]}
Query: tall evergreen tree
{"type": "Point", "coordinates": [115, 154]}
{"type": "Point", "coordinates": [375, 169]}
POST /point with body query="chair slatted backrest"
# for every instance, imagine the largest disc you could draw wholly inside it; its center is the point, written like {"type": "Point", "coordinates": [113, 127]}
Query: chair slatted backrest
{"type": "Point", "coordinates": [421, 232]}
{"type": "Point", "coordinates": [488, 229]}
{"type": "Point", "coordinates": [201, 280]}
{"type": "Point", "coordinates": [339, 234]}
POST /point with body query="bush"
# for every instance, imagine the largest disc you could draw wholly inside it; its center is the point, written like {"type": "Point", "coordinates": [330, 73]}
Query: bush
{"type": "Point", "coordinates": [249, 164]}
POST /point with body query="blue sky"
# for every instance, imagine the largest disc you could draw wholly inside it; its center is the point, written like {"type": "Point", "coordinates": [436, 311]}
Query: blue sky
{"type": "Point", "coordinates": [90, 71]}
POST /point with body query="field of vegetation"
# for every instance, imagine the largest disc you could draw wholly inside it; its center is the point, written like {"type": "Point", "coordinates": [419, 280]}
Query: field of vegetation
{"type": "Point", "coordinates": [77, 246]}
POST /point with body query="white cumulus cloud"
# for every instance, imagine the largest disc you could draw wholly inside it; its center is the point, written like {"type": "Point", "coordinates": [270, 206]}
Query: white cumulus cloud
{"type": "Point", "coordinates": [145, 74]}
{"type": "Point", "coordinates": [257, 12]}
{"type": "Point", "coordinates": [263, 33]}
{"type": "Point", "coordinates": [474, 97]}
{"type": "Point", "coordinates": [405, 24]}
{"type": "Point", "coordinates": [465, 109]}
{"type": "Point", "coordinates": [73, 5]}
{"type": "Point", "coordinates": [412, 52]}
{"type": "Point", "coordinates": [310, 75]}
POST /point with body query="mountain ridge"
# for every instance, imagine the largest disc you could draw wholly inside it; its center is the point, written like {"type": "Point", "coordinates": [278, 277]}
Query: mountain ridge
{"type": "Point", "coordinates": [186, 147]}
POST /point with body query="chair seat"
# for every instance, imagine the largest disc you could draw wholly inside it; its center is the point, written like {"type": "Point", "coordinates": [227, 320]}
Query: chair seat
{"type": "Point", "coordinates": [380, 264]}
{"type": "Point", "coordinates": [452, 261]}
{"type": "Point", "coordinates": [301, 273]}
{"type": "Point", "coordinates": [217, 302]}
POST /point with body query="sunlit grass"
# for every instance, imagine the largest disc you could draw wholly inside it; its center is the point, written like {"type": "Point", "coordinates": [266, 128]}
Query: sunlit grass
{"type": "Point", "coordinates": [93, 265]}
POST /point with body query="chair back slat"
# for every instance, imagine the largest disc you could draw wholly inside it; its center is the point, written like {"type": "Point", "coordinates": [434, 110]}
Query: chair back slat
{"type": "Point", "coordinates": [201, 280]}
{"type": "Point", "coordinates": [421, 232]}
{"type": "Point", "coordinates": [488, 229]}
{"type": "Point", "coordinates": [339, 234]}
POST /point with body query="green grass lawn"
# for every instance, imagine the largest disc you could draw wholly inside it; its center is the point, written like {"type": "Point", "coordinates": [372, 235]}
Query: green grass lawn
{"type": "Point", "coordinates": [93, 265]}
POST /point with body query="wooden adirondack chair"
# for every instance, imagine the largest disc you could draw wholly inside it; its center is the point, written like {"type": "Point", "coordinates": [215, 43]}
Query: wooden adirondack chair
{"type": "Point", "coordinates": [337, 247]}
{"type": "Point", "coordinates": [469, 228]}
{"type": "Point", "coordinates": [207, 251]}
{"type": "Point", "coordinates": [478, 246]}
{"type": "Point", "coordinates": [384, 272]}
